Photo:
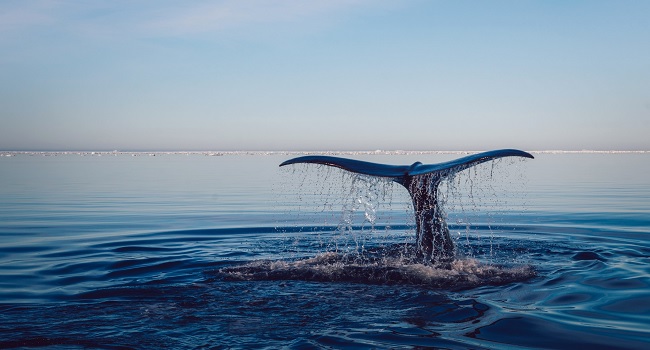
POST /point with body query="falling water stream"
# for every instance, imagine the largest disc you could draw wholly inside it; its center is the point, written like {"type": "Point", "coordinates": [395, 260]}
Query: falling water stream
{"type": "Point", "coordinates": [360, 247]}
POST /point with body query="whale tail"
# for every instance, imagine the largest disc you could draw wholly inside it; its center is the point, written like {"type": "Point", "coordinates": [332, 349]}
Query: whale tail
{"type": "Point", "coordinates": [421, 181]}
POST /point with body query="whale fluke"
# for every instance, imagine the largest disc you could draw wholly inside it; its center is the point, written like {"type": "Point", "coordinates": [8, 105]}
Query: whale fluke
{"type": "Point", "coordinates": [421, 181]}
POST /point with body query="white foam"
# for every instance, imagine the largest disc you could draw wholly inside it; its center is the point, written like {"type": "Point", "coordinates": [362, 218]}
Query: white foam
{"type": "Point", "coordinates": [334, 267]}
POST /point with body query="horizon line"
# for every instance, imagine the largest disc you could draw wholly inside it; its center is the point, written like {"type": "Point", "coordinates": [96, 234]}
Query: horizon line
{"type": "Point", "coordinates": [226, 152]}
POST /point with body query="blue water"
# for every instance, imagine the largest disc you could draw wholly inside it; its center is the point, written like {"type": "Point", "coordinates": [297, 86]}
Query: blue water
{"type": "Point", "coordinates": [137, 251]}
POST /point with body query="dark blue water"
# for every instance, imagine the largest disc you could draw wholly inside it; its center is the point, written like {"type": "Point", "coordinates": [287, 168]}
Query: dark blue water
{"type": "Point", "coordinates": [194, 251]}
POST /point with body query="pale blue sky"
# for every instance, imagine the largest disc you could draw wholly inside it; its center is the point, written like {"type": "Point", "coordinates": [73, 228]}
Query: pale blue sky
{"type": "Point", "coordinates": [324, 75]}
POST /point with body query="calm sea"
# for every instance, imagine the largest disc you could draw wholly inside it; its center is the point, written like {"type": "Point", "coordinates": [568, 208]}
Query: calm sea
{"type": "Point", "coordinates": [202, 251]}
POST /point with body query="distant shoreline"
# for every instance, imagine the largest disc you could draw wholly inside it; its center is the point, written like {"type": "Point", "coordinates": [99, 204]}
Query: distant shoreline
{"type": "Point", "coordinates": [270, 153]}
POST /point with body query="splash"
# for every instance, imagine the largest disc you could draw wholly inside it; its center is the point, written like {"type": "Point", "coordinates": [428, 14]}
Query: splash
{"type": "Point", "coordinates": [488, 196]}
{"type": "Point", "coordinates": [366, 248]}
{"type": "Point", "coordinates": [382, 267]}
{"type": "Point", "coordinates": [361, 208]}
{"type": "Point", "coordinates": [421, 181]}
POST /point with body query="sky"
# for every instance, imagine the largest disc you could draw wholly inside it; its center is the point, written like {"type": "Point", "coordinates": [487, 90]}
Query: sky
{"type": "Point", "coordinates": [324, 75]}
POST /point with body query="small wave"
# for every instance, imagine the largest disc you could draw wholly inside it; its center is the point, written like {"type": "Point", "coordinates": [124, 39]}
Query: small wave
{"type": "Point", "coordinates": [387, 269]}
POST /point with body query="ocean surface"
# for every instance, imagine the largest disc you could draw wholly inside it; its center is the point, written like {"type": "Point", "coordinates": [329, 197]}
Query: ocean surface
{"type": "Point", "coordinates": [118, 250]}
